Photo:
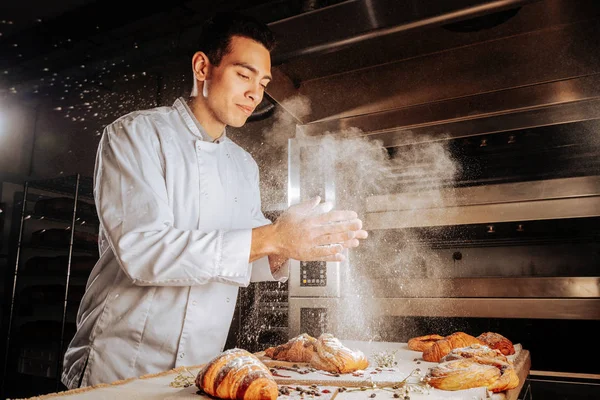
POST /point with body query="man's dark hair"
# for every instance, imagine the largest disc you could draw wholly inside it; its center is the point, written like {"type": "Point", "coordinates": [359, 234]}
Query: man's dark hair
{"type": "Point", "coordinates": [216, 34]}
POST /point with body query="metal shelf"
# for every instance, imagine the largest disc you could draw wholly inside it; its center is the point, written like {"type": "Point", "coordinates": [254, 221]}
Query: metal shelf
{"type": "Point", "coordinates": [85, 222]}
{"type": "Point", "coordinates": [66, 185]}
{"type": "Point", "coordinates": [525, 201]}
{"type": "Point", "coordinates": [51, 249]}
{"type": "Point", "coordinates": [64, 313]}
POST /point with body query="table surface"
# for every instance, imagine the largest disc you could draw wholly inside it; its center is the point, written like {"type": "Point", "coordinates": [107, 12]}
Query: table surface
{"type": "Point", "coordinates": [157, 386]}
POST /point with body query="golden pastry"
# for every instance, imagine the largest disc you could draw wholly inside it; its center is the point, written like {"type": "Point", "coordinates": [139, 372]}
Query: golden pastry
{"type": "Point", "coordinates": [332, 356]}
{"type": "Point", "coordinates": [237, 375]}
{"type": "Point", "coordinates": [440, 348]}
{"type": "Point", "coordinates": [422, 343]}
{"type": "Point", "coordinates": [462, 374]}
{"type": "Point", "coordinates": [473, 371]}
{"type": "Point", "coordinates": [498, 342]}
{"type": "Point", "coordinates": [474, 350]}
{"type": "Point", "coordinates": [298, 349]}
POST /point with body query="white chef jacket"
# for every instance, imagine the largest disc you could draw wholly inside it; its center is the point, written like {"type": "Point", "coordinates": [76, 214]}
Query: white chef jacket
{"type": "Point", "coordinates": [176, 216]}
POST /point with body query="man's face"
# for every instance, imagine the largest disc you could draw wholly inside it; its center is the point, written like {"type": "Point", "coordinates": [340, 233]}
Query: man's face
{"type": "Point", "coordinates": [236, 86]}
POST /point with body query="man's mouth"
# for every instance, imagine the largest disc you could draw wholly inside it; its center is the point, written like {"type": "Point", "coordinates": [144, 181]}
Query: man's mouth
{"type": "Point", "coordinates": [247, 110]}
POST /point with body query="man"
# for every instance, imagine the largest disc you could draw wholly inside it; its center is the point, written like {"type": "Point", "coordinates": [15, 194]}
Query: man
{"type": "Point", "coordinates": [181, 226]}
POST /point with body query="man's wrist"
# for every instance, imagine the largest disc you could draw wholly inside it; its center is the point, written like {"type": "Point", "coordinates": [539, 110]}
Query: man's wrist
{"type": "Point", "coordinates": [276, 262]}
{"type": "Point", "coordinates": [263, 242]}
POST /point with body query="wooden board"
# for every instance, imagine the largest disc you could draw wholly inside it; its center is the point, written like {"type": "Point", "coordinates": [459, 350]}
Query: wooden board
{"type": "Point", "coordinates": [407, 360]}
{"type": "Point", "coordinates": [522, 366]}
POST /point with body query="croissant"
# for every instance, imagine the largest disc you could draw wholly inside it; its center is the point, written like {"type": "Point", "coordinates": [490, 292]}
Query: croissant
{"type": "Point", "coordinates": [440, 348]}
{"type": "Point", "coordinates": [237, 374]}
{"type": "Point", "coordinates": [330, 355]}
{"type": "Point", "coordinates": [474, 350]}
{"type": "Point", "coordinates": [298, 349]}
{"type": "Point", "coordinates": [498, 342]}
{"type": "Point", "coordinates": [421, 343]}
{"type": "Point", "coordinates": [462, 374]}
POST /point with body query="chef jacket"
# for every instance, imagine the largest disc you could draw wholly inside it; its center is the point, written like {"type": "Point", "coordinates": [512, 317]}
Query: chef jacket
{"type": "Point", "coordinates": [176, 215]}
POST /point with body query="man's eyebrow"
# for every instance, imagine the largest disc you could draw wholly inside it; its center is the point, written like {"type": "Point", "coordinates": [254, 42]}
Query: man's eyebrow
{"type": "Point", "coordinates": [251, 68]}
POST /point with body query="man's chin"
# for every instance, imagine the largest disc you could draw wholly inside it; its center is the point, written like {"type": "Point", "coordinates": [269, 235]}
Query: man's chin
{"type": "Point", "coordinates": [237, 122]}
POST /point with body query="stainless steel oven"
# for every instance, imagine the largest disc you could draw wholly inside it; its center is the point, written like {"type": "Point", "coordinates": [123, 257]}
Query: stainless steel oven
{"type": "Point", "coordinates": [468, 139]}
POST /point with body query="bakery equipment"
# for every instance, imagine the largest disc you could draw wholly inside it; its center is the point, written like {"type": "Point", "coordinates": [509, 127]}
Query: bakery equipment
{"type": "Point", "coordinates": [470, 149]}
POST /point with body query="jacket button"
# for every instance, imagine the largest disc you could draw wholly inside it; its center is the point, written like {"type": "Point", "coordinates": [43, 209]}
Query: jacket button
{"type": "Point", "coordinates": [181, 355]}
{"type": "Point", "coordinates": [194, 303]}
{"type": "Point", "coordinates": [227, 300]}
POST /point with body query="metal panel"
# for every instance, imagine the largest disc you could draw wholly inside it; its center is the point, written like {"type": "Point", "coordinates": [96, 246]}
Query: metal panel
{"type": "Point", "coordinates": [332, 289]}
{"type": "Point", "coordinates": [379, 45]}
{"type": "Point", "coordinates": [490, 194]}
{"type": "Point", "coordinates": [545, 287]}
{"type": "Point", "coordinates": [462, 111]}
{"type": "Point", "coordinates": [559, 114]}
{"type": "Point", "coordinates": [552, 199]}
{"type": "Point", "coordinates": [558, 53]}
{"type": "Point", "coordinates": [372, 19]}
{"type": "Point", "coordinates": [553, 374]}
{"type": "Point", "coordinates": [296, 304]}
{"type": "Point", "coordinates": [295, 195]}
{"type": "Point", "coordinates": [533, 308]}
{"type": "Point", "coordinates": [293, 192]}
{"type": "Point", "coordinates": [505, 212]}
{"type": "Point", "coordinates": [489, 308]}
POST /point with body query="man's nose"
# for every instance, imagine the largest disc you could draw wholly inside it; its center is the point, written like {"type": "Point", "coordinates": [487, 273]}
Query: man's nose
{"type": "Point", "coordinates": [254, 94]}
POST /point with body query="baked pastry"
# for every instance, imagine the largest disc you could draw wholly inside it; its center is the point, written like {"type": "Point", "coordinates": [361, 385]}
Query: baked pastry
{"type": "Point", "coordinates": [237, 374]}
{"type": "Point", "coordinates": [452, 374]}
{"type": "Point", "coordinates": [462, 374]}
{"type": "Point", "coordinates": [298, 349]}
{"type": "Point", "coordinates": [440, 348]}
{"type": "Point", "coordinates": [498, 342]}
{"type": "Point", "coordinates": [508, 376]}
{"type": "Point", "coordinates": [332, 356]}
{"type": "Point", "coordinates": [326, 353]}
{"type": "Point", "coordinates": [421, 343]}
{"type": "Point", "coordinates": [474, 350]}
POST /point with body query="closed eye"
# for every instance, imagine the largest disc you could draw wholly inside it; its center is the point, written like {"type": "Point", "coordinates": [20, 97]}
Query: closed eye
{"type": "Point", "coordinates": [244, 77]}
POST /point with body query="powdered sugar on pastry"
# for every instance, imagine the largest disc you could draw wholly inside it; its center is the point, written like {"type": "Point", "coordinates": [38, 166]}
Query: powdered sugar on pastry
{"type": "Point", "coordinates": [332, 356]}
{"type": "Point", "coordinates": [462, 374]}
{"type": "Point", "coordinates": [474, 350]}
{"type": "Point", "coordinates": [297, 349]}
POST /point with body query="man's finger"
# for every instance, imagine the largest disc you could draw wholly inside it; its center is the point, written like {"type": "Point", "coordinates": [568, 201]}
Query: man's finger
{"type": "Point", "coordinates": [333, 238]}
{"type": "Point", "coordinates": [314, 201]}
{"type": "Point", "coordinates": [348, 244]}
{"type": "Point", "coordinates": [339, 227]}
{"type": "Point", "coordinates": [361, 234]}
{"type": "Point", "coordinates": [322, 208]}
{"type": "Point", "coordinates": [306, 207]}
{"type": "Point", "coordinates": [335, 216]}
{"type": "Point", "coordinates": [325, 251]}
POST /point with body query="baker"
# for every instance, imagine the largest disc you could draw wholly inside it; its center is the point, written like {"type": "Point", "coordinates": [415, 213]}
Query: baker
{"type": "Point", "coordinates": [181, 227]}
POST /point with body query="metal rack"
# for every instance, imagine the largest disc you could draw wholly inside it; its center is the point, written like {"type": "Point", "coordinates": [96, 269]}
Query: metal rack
{"type": "Point", "coordinates": [45, 365]}
{"type": "Point", "coordinates": [261, 318]}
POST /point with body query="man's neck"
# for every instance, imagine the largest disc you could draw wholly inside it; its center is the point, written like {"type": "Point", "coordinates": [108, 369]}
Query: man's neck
{"type": "Point", "coordinates": [211, 125]}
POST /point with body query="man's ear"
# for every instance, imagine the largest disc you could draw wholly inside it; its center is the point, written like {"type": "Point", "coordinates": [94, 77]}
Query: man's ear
{"type": "Point", "coordinates": [200, 64]}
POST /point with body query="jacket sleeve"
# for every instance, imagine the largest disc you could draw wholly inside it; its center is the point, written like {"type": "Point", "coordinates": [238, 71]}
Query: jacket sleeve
{"type": "Point", "coordinates": [261, 269]}
{"type": "Point", "coordinates": [134, 211]}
